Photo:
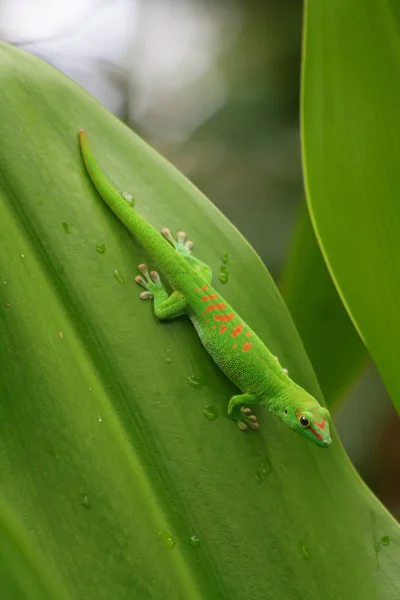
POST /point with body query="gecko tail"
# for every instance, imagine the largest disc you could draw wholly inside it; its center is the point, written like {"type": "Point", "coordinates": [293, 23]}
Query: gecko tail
{"type": "Point", "coordinates": [120, 204]}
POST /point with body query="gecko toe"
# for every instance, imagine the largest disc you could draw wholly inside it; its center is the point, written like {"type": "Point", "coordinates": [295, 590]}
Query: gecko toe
{"type": "Point", "coordinates": [189, 245]}
{"type": "Point", "coordinates": [247, 420]}
{"type": "Point", "coordinates": [155, 277]}
{"type": "Point", "coordinates": [181, 237]}
{"type": "Point", "coordinates": [145, 295]}
{"type": "Point", "coordinates": [143, 269]}
{"type": "Point", "coordinates": [140, 281]}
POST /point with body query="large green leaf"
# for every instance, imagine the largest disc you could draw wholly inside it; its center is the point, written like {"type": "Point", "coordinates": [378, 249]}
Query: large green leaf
{"type": "Point", "coordinates": [333, 345]}
{"type": "Point", "coordinates": [107, 459]}
{"type": "Point", "coordinates": [351, 130]}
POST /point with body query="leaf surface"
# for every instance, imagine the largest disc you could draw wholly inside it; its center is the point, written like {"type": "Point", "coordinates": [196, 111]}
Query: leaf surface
{"type": "Point", "coordinates": [107, 459]}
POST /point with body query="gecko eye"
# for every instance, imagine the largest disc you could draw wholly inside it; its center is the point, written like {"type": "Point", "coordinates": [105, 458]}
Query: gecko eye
{"type": "Point", "coordinates": [304, 421]}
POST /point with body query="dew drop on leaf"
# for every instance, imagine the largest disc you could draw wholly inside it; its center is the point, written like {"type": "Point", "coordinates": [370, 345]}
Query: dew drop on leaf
{"type": "Point", "coordinates": [224, 277]}
{"type": "Point", "coordinates": [194, 541]}
{"type": "Point", "coordinates": [119, 277]}
{"type": "Point", "coordinates": [385, 541]}
{"type": "Point", "coordinates": [85, 501]}
{"type": "Point", "coordinates": [225, 258]}
{"type": "Point", "coordinates": [195, 381]}
{"type": "Point", "coordinates": [100, 248]}
{"type": "Point", "coordinates": [128, 197]}
{"type": "Point", "coordinates": [305, 552]}
{"type": "Point", "coordinates": [264, 470]}
{"type": "Point", "coordinates": [167, 539]}
{"type": "Point", "coordinates": [211, 413]}
{"type": "Point", "coordinates": [65, 226]}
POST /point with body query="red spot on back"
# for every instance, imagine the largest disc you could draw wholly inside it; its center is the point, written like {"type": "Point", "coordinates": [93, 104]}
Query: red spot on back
{"type": "Point", "coordinates": [213, 328]}
{"type": "Point", "coordinates": [237, 329]}
{"type": "Point", "coordinates": [202, 289]}
{"type": "Point", "coordinates": [234, 346]}
{"type": "Point", "coordinates": [224, 317]}
{"type": "Point", "coordinates": [214, 307]}
{"type": "Point", "coordinates": [208, 320]}
{"type": "Point", "coordinates": [247, 346]}
{"type": "Point", "coordinates": [248, 333]}
{"type": "Point", "coordinates": [223, 328]}
{"type": "Point", "coordinates": [210, 297]}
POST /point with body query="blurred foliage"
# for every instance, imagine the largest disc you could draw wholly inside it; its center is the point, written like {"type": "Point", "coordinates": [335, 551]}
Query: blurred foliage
{"type": "Point", "coordinates": [331, 342]}
{"type": "Point", "coordinates": [351, 125]}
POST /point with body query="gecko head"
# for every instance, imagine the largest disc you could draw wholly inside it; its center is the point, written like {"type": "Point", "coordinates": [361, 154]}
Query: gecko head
{"type": "Point", "coordinates": [311, 421]}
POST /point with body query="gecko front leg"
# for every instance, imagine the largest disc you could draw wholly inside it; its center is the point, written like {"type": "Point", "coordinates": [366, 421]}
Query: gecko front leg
{"type": "Point", "coordinates": [240, 413]}
{"type": "Point", "coordinates": [184, 248]}
{"type": "Point", "coordinates": [165, 307]}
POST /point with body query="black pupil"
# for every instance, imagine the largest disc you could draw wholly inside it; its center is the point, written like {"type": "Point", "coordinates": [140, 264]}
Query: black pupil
{"type": "Point", "coordinates": [304, 421]}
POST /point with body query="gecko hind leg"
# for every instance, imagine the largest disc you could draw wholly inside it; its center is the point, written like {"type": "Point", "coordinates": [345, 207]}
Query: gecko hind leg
{"type": "Point", "coordinates": [165, 307]}
{"type": "Point", "coordinates": [184, 248]}
{"type": "Point", "coordinates": [242, 414]}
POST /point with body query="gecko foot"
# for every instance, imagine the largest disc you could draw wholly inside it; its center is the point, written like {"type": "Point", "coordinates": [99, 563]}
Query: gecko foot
{"type": "Point", "coordinates": [151, 282]}
{"type": "Point", "coordinates": [181, 245]}
{"type": "Point", "coordinates": [247, 419]}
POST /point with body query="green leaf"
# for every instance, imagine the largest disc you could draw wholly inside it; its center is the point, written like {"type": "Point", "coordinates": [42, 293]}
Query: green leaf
{"type": "Point", "coordinates": [107, 458]}
{"type": "Point", "coordinates": [351, 127]}
{"type": "Point", "coordinates": [333, 345]}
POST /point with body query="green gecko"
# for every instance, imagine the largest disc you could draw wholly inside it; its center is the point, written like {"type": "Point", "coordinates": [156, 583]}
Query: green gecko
{"type": "Point", "coordinates": [233, 345]}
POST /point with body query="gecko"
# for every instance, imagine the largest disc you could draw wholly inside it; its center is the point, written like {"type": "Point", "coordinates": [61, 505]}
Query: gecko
{"type": "Point", "coordinates": [240, 354]}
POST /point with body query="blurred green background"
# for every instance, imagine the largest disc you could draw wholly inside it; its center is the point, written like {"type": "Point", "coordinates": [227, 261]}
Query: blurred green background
{"type": "Point", "coordinates": [214, 87]}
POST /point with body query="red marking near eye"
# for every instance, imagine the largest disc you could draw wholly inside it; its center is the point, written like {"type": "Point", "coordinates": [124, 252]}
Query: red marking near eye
{"type": "Point", "coordinates": [237, 330]}
{"type": "Point", "coordinates": [223, 328]}
{"type": "Point", "coordinates": [247, 346]}
{"type": "Point", "coordinates": [213, 328]}
{"type": "Point", "coordinates": [321, 425]}
{"type": "Point", "coordinates": [224, 317]}
{"type": "Point", "coordinates": [296, 412]}
{"type": "Point", "coordinates": [248, 333]}
{"type": "Point", "coordinates": [210, 297]}
{"type": "Point", "coordinates": [234, 346]}
{"type": "Point", "coordinates": [214, 307]}
{"type": "Point", "coordinates": [202, 289]}
{"type": "Point", "coordinates": [317, 435]}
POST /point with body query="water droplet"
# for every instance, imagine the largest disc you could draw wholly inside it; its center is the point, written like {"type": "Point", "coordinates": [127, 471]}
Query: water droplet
{"type": "Point", "coordinates": [266, 466]}
{"type": "Point", "coordinates": [385, 541]}
{"type": "Point", "coordinates": [85, 501]}
{"type": "Point", "coordinates": [168, 360]}
{"type": "Point", "coordinates": [264, 470]}
{"type": "Point", "coordinates": [211, 412]}
{"type": "Point", "coordinates": [168, 539]}
{"type": "Point", "coordinates": [194, 541]}
{"type": "Point", "coordinates": [100, 248]}
{"type": "Point", "coordinates": [129, 198]}
{"type": "Point", "coordinates": [224, 269]}
{"type": "Point", "coordinates": [65, 226]}
{"type": "Point", "coordinates": [99, 418]}
{"type": "Point", "coordinates": [118, 277]}
{"type": "Point", "coordinates": [22, 255]}
{"type": "Point", "coordinates": [225, 258]}
{"type": "Point", "coordinates": [305, 552]}
{"type": "Point", "coordinates": [224, 277]}
{"type": "Point", "coordinates": [195, 381]}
